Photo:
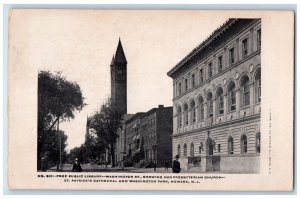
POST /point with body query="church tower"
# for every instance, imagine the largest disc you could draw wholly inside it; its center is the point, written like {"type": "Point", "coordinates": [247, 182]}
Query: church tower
{"type": "Point", "coordinates": [118, 68]}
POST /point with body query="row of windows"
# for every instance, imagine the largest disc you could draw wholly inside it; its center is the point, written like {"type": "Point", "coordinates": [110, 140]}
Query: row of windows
{"type": "Point", "coordinates": [183, 115]}
{"type": "Point", "coordinates": [232, 58]}
{"type": "Point", "coordinates": [150, 138]}
{"type": "Point", "coordinates": [211, 146]}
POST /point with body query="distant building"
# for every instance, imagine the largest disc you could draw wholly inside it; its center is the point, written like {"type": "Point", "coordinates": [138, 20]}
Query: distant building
{"type": "Point", "coordinates": [217, 101]}
{"type": "Point", "coordinates": [156, 130]}
{"type": "Point", "coordinates": [118, 68]}
{"type": "Point", "coordinates": [148, 137]}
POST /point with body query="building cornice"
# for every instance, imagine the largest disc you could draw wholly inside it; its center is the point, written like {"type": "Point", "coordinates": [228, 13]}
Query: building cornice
{"type": "Point", "coordinates": [215, 35]}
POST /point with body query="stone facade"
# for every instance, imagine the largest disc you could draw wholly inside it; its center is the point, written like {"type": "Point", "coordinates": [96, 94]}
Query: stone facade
{"type": "Point", "coordinates": [216, 104]}
{"type": "Point", "coordinates": [118, 69]}
{"type": "Point", "coordinates": [148, 137]}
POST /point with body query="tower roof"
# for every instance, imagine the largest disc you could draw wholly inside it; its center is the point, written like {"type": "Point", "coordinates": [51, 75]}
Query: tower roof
{"type": "Point", "coordinates": [120, 55]}
{"type": "Point", "coordinates": [112, 60]}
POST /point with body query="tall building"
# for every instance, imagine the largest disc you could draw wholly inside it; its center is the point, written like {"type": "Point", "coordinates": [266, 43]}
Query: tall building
{"type": "Point", "coordinates": [118, 68]}
{"type": "Point", "coordinates": [148, 137]}
{"type": "Point", "coordinates": [217, 101]}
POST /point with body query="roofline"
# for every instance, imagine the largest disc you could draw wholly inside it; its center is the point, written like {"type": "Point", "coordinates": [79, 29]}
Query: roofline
{"type": "Point", "coordinates": [198, 48]}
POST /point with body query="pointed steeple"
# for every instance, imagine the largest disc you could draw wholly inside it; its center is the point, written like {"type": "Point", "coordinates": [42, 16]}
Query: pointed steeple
{"type": "Point", "coordinates": [120, 55]}
{"type": "Point", "coordinates": [112, 60]}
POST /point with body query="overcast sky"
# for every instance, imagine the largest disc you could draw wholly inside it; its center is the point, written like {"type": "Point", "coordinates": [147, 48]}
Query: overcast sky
{"type": "Point", "coordinates": [81, 43]}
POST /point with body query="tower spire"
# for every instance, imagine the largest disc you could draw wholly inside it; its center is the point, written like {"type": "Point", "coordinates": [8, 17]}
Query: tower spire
{"type": "Point", "coordinates": [112, 60]}
{"type": "Point", "coordinates": [120, 55]}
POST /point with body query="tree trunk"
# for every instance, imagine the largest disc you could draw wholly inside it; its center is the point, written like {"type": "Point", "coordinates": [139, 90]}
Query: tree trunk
{"type": "Point", "coordinates": [112, 153]}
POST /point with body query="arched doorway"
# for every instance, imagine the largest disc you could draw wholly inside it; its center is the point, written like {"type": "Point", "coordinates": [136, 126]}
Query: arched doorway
{"type": "Point", "coordinates": [209, 146]}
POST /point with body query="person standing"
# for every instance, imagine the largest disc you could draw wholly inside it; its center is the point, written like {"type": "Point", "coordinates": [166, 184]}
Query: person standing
{"type": "Point", "coordinates": [76, 166]}
{"type": "Point", "coordinates": [166, 165]}
{"type": "Point", "coordinates": [154, 165]}
{"type": "Point", "coordinates": [176, 165]}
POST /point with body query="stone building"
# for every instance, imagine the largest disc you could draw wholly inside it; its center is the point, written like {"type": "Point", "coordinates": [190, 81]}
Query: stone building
{"type": "Point", "coordinates": [118, 68]}
{"type": "Point", "coordinates": [156, 129]}
{"type": "Point", "coordinates": [148, 137]}
{"type": "Point", "coordinates": [217, 99]}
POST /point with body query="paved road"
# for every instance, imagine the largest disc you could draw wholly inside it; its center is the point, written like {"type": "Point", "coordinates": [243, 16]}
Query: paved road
{"type": "Point", "coordinates": [98, 168]}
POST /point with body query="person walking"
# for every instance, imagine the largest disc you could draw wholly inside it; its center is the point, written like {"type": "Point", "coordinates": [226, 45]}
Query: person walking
{"type": "Point", "coordinates": [166, 165]}
{"type": "Point", "coordinates": [176, 165]}
{"type": "Point", "coordinates": [154, 165]}
{"type": "Point", "coordinates": [76, 166]}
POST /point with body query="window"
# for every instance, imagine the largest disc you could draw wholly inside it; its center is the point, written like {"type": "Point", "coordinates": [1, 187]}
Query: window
{"type": "Point", "coordinates": [257, 86]}
{"type": "Point", "coordinates": [231, 56]}
{"type": "Point", "coordinates": [184, 150]}
{"type": "Point", "coordinates": [179, 89]}
{"type": "Point", "coordinates": [230, 145]}
{"type": "Point", "coordinates": [193, 81]}
{"type": "Point", "coordinates": [192, 149]}
{"type": "Point", "coordinates": [178, 150]}
{"type": "Point", "coordinates": [220, 64]}
{"type": "Point", "coordinates": [201, 75]}
{"type": "Point", "coordinates": [243, 144]}
{"type": "Point", "coordinates": [193, 113]}
{"type": "Point", "coordinates": [258, 39]}
{"type": "Point", "coordinates": [245, 83]}
{"type": "Point", "coordinates": [186, 84]}
{"type": "Point", "coordinates": [210, 105]}
{"type": "Point", "coordinates": [219, 147]}
{"type": "Point", "coordinates": [209, 70]}
{"type": "Point", "coordinates": [231, 94]}
{"type": "Point", "coordinates": [257, 143]}
{"type": "Point", "coordinates": [244, 48]}
{"type": "Point", "coordinates": [201, 109]}
{"type": "Point", "coordinates": [179, 114]}
{"type": "Point", "coordinates": [186, 114]}
{"type": "Point", "coordinates": [200, 148]}
{"type": "Point", "coordinates": [220, 99]}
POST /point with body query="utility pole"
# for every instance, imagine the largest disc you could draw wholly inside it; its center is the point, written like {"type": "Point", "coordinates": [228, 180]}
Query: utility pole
{"type": "Point", "coordinates": [59, 136]}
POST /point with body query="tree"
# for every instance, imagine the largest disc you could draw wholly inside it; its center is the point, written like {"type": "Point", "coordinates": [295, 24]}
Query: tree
{"type": "Point", "coordinates": [58, 99]}
{"type": "Point", "coordinates": [106, 123]}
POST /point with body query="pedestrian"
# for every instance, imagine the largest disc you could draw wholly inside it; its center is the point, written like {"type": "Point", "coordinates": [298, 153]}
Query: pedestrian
{"type": "Point", "coordinates": [154, 165]}
{"type": "Point", "coordinates": [166, 165]}
{"type": "Point", "coordinates": [176, 165]}
{"type": "Point", "coordinates": [76, 166]}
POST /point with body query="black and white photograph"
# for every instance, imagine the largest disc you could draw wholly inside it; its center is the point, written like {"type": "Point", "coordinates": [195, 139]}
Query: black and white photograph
{"type": "Point", "coordinates": [162, 93]}
{"type": "Point", "coordinates": [213, 124]}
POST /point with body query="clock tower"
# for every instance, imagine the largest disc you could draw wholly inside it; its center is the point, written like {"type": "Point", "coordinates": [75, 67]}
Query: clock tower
{"type": "Point", "coordinates": [118, 69]}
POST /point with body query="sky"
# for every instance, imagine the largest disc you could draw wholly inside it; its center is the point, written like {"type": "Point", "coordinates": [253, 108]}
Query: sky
{"type": "Point", "coordinates": [81, 43]}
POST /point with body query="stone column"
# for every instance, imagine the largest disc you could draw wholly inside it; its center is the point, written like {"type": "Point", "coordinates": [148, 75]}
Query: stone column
{"type": "Point", "coordinates": [238, 103]}
{"type": "Point", "coordinates": [215, 110]}
{"type": "Point", "coordinates": [225, 107]}
{"type": "Point", "coordinates": [252, 98]}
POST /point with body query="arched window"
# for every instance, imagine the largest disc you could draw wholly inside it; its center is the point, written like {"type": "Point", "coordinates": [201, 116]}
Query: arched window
{"type": "Point", "coordinates": [201, 109]}
{"type": "Point", "coordinates": [220, 99]}
{"type": "Point", "coordinates": [210, 105]}
{"type": "Point", "coordinates": [257, 86]}
{"type": "Point", "coordinates": [184, 150]}
{"type": "Point", "coordinates": [245, 83]}
{"type": "Point", "coordinates": [178, 149]}
{"type": "Point", "coordinates": [200, 148]}
{"type": "Point", "coordinates": [243, 144]}
{"type": "Point", "coordinates": [193, 111]}
{"type": "Point", "coordinates": [192, 149]}
{"type": "Point", "coordinates": [231, 96]}
{"type": "Point", "coordinates": [179, 116]}
{"type": "Point", "coordinates": [186, 114]}
{"type": "Point", "coordinates": [257, 143]}
{"type": "Point", "coordinates": [230, 145]}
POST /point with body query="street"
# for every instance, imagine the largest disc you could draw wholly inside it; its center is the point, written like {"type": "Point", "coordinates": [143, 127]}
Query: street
{"type": "Point", "coordinates": [99, 168]}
